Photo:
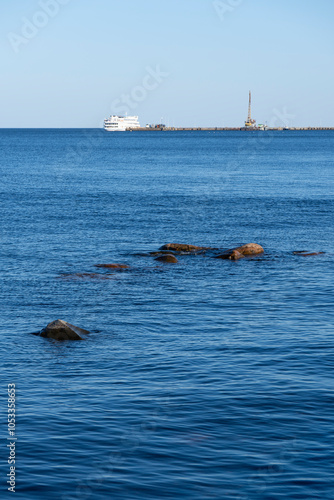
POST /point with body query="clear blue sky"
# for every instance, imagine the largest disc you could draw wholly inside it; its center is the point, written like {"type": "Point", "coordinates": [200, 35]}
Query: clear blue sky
{"type": "Point", "coordinates": [86, 57]}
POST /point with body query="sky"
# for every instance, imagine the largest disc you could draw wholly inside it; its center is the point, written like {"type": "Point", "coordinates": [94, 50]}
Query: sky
{"type": "Point", "coordinates": [72, 63]}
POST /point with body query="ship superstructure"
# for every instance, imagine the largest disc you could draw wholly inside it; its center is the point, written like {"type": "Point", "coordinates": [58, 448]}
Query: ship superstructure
{"type": "Point", "coordinates": [117, 123]}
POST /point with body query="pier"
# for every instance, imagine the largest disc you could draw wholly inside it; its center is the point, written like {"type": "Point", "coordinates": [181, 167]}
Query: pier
{"type": "Point", "coordinates": [220, 129]}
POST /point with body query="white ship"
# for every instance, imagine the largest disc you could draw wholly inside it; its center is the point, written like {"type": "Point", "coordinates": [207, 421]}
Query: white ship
{"type": "Point", "coordinates": [121, 123]}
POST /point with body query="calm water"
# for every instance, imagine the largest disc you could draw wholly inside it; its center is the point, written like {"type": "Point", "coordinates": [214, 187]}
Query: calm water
{"type": "Point", "coordinates": [208, 379]}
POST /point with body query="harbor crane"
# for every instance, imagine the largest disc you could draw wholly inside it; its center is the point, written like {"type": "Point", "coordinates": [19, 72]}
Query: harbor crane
{"type": "Point", "coordinates": [250, 122]}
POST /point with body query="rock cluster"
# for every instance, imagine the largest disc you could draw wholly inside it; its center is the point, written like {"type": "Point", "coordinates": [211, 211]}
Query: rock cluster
{"type": "Point", "coordinates": [61, 330]}
{"type": "Point", "coordinates": [167, 252]}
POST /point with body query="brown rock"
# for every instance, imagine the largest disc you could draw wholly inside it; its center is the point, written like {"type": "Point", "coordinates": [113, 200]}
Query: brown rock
{"type": "Point", "coordinates": [180, 247]}
{"type": "Point", "coordinates": [250, 249]}
{"type": "Point", "coordinates": [61, 330]}
{"type": "Point", "coordinates": [167, 258]}
{"type": "Point", "coordinates": [304, 254]}
{"type": "Point", "coordinates": [245, 250]}
{"type": "Point", "coordinates": [113, 266]}
{"type": "Point", "coordinates": [235, 255]}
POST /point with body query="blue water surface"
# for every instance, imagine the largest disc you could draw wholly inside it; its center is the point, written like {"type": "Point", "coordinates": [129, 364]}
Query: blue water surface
{"type": "Point", "coordinates": [205, 379]}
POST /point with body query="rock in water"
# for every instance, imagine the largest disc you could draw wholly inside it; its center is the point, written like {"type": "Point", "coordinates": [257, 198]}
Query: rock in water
{"type": "Point", "coordinates": [235, 255]}
{"type": "Point", "coordinates": [84, 276]}
{"type": "Point", "coordinates": [61, 330]}
{"type": "Point", "coordinates": [304, 253]}
{"type": "Point", "coordinates": [244, 251]}
{"type": "Point", "coordinates": [168, 257]}
{"type": "Point", "coordinates": [250, 249]}
{"type": "Point", "coordinates": [180, 247]}
{"type": "Point", "coordinates": [113, 266]}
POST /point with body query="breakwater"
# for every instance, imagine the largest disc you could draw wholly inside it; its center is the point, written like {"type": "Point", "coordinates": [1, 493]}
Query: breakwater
{"type": "Point", "coordinates": [213, 129]}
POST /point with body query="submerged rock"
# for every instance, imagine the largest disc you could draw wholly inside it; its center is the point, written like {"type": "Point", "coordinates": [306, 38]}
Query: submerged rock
{"type": "Point", "coordinates": [85, 276]}
{"type": "Point", "coordinates": [160, 252]}
{"type": "Point", "coordinates": [61, 330]}
{"type": "Point", "coordinates": [244, 251]}
{"type": "Point", "coordinates": [180, 247]}
{"type": "Point", "coordinates": [304, 253]}
{"type": "Point", "coordinates": [168, 257]}
{"type": "Point", "coordinates": [113, 266]}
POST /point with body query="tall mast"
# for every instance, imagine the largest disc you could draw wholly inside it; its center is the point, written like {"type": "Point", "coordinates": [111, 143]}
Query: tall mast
{"type": "Point", "coordinates": [249, 122]}
{"type": "Point", "coordinates": [249, 107]}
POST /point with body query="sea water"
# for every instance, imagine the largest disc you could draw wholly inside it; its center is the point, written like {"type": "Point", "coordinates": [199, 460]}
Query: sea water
{"type": "Point", "coordinates": [199, 380]}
